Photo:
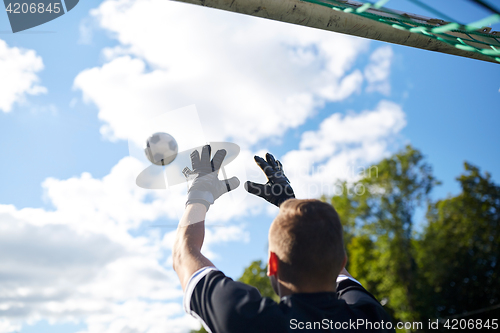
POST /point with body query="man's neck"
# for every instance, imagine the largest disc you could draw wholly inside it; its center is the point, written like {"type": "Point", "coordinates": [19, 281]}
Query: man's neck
{"type": "Point", "coordinates": [287, 289]}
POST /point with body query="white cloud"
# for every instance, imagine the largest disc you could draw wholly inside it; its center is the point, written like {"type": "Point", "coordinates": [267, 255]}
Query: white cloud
{"type": "Point", "coordinates": [18, 78]}
{"type": "Point", "coordinates": [111, 205]}
{"type": "Point", "coordinates": [378, 70]}
{"type": "Point", "coordinates": [136, 316]}
{"type": "Point", "coordinates": [58, 274]}
{"type": "Point", "coordinates": [85, 260]}
{"type": "Point", "coordinates": [215, 234]}
{"type": "Point", "coordinates": [342, 148]}
{"type": "Point", "coordinates": [250, 78]}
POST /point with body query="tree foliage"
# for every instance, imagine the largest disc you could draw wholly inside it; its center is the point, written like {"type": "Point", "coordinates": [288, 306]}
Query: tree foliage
{"type": "Point", "coordinates": [451, 268]}
{"type": "Point", "coordinates": [256, 275]}
{"type": "Point", "coordinates": [460, 248]}
{"type": "Point", "coordinates": [201, 330]}
{"type": "Point", "coordinates": [378, 215]}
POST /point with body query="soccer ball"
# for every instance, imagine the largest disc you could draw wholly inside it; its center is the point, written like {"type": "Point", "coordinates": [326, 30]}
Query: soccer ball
{"type": "Point", "coordinates": [161, 148]}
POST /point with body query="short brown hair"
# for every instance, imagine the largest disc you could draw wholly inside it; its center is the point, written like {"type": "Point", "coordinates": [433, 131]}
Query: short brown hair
{"type": "Point", "coordinates": [307, 238]}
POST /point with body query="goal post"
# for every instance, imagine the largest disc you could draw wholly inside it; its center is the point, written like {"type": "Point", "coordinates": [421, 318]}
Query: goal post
{"type": "Point", "coordinates": [375, 23]}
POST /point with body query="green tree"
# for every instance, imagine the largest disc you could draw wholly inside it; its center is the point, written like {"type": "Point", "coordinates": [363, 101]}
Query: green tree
{"type": "Point", "coordinates": [460, 248]}
{"type": "Point", "coordinates": [378, 214]}
{"type": "Point", "coordinates": [256, 275]}
{"type": "Point", "coordinates": [201, 330]}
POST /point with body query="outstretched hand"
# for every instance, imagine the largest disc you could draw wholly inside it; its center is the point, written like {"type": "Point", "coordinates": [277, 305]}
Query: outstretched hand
{"type": "Point", "coordinates": [277, 189]}
{"type": "Point", "coordinates": [206, 186]}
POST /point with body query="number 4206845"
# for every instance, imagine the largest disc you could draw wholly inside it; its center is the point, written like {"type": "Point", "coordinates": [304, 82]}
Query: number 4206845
{"type": "Point", "coordinates": [477, 324]}
{"type": "Point", "coordinates": [24, 8]}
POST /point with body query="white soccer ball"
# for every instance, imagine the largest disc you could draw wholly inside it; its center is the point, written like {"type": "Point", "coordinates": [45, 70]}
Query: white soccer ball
{"type": "Point", "coordinates": [161, 148]}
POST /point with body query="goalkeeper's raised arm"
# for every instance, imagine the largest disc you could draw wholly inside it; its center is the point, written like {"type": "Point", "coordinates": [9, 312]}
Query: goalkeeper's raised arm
{"type": "Point", "coordinates": [205, 187]}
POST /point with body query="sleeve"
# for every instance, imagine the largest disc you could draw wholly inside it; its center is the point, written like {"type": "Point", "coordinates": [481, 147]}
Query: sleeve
{"type": "Point", "coordinates": [223, 305]}
{"type": "Point", "coordinates": [361, 301]}
{"type": "Point", "coordinates": [351, 291]}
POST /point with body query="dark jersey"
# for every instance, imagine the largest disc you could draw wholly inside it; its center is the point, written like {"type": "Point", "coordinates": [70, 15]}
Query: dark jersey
{"type": "Point", "coordinates": [226, 306]}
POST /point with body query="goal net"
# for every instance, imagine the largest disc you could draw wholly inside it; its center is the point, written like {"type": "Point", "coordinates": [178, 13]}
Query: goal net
{"type": "Point", "coordinates": [376, 21]}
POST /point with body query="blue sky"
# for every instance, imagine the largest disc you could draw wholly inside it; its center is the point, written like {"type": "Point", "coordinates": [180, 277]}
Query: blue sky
{"type": "Point", "coordinates": [79, 252]}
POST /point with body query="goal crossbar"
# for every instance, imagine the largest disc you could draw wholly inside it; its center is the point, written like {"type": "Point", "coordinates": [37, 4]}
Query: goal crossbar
{"type": "Point", "coordinates": [343, 21]}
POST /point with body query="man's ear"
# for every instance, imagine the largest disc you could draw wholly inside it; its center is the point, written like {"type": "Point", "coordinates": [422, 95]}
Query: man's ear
{"type": "Point", "coordinates": [272, 264]}
{"type": "Point", "coordinates": [344, 262]}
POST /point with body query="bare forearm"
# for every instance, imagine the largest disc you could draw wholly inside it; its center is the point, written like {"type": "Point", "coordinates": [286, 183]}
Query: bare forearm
{"type": "Point", "coordinates": [187, 257]}
{"type": "Point", "coordinates": [191, 230]}
{"type": "Point", "coordinates": [203, 190]}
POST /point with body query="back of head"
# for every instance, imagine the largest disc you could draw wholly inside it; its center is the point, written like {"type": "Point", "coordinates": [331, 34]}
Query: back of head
{"type": "Point", "coordinates": [307, 238]}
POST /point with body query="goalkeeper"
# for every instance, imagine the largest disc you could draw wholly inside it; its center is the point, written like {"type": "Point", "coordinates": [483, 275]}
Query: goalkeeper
{"type": "Point", "coordinates": [306, 263]}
